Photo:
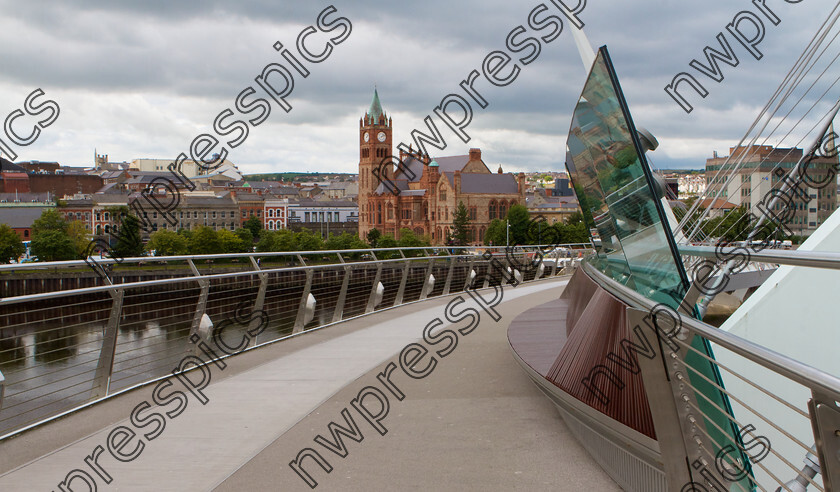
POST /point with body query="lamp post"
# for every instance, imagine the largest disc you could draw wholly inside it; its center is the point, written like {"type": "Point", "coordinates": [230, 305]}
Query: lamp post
{"type": "Point", "coordinates": [507, 233]}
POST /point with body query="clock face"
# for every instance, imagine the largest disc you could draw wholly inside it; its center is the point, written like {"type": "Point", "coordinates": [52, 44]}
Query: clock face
{"type": "Point", "coordinates": [381, 136]}
{"type": "Point", "coordinates": [367, 136]}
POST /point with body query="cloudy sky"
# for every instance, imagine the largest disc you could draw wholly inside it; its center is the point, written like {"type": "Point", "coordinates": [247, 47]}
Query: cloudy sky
{"type": "Point", "coordinates": [142, 79]}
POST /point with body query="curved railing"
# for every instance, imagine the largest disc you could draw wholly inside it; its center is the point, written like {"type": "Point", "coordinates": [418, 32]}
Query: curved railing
{"type": "Point", "coordinates": [784, 414]}
{"type": "Point", "coordinates": [88, 330]}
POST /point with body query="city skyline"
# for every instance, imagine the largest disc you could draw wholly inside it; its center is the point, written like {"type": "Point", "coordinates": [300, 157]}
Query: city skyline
{"type": "Point", "coordinates": [125, 92]}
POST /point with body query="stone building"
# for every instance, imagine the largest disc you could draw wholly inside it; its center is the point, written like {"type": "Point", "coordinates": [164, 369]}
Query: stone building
{"type": "Point", "coordinates": [759, 173]}
{"type": "Point", "coordinates": [423, 193]}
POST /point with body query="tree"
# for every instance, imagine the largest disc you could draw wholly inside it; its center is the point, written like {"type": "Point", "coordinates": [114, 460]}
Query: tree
{"type": "Point", "coordinates": [305, 240]}
{"type": "Point", "coordinates": [461, 225]}
{"type": "Point", "coordinates": [229, 242]}
{"type": "Point", "coordinates": [128, 243]}
{"type": "Point", "coordinates": [167, 243]}
{"type": "Point", "coordinates": [495, 235]}
{"type": "Point", "coordinates": [50, 241]}
{"type": "Point", "coordinates": [254, 225]}
{"type": "Point", "coordinates": [11, 247]}
{"type": "Point", "coordinates": [53, 245]}
{"type": "Point", "coordinates": [50, 220]}
{"type": "Point", "coordinates": [518, 219]}
{"type": "Point", "coordinates": [79, 235]}
{"type": "Point", "coordinates": [247, 238]}
{"type": "Point", "coordinates": [408, 239]}
{"type": "Point", "coordinates": [373, 236]}
{"type": "Point", "coordinates": [204, 241]}
{"type": "Point", "coordinates": [344, 241]}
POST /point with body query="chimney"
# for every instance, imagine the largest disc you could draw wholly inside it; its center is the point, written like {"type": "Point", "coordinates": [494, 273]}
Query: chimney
{"type": "Point", "coordinates": [475, 154]}
{"type": "Point", "coordinates": [521, 183]}
{"type": "Point", "coordinates": [500, 169]}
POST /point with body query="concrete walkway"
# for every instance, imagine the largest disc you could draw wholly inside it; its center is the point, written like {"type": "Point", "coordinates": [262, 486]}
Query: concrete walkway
{"type": "Point", "coordinates": [476, 422]}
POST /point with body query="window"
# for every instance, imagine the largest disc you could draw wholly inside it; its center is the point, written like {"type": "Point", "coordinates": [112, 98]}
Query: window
{"type": "Point", "coordinates": [502, 210]}
{"type": "Point", "coordinates": [244, 214]}
{"type": "Point", "coordinates": [271, 213]}
{"type": "Point", "coordinates": [195, 215]}
{"type": "Point", "coordinates": [214, 216]}
{"type": "Point", "coordinates": [442, 195]}
{"type": "Point", "coordinates": [473, 212]}
{"type": "Point", "coordinates": [493, 209]}
{"type": "Point", "coordinates": [223, 214]}
{"type": "Point", "coordinates": [259, 213]}
{"type": "Point", "coordinates": [306, 216]}
{"type": "Point", "coordinates": [26, 233]}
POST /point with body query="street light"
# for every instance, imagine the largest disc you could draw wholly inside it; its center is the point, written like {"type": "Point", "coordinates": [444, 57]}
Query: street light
{"type": "Point", "coordinates": [507, 233]}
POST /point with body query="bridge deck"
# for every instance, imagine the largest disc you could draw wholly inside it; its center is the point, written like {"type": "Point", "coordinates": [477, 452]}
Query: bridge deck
{"type": "Point", "coordinates": [476, 422]}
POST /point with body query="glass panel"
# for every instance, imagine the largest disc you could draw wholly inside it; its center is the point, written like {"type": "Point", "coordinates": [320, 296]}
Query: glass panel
{"type": "Point", "coordinates": [634, 245]}
{"type": "Point", "coordinates": [613, 184]}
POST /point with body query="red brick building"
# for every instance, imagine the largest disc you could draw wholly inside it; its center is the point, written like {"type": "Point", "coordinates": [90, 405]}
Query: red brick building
{"type": "Point", "coordinates": [429, 188]}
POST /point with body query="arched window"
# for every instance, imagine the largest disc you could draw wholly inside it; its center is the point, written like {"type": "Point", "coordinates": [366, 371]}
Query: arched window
{"type": "Point", "coordinates": [271, 212]}
{"type": "Point", "coordinates": [379, 213]}
{"type": "Point", "coordinates": [502, 209]}
{"type": "Point", "coordinates": [493, 209]}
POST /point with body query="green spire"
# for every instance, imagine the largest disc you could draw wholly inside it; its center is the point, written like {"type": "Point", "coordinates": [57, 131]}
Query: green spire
{"type": "Point", "coordinates": [375, 107]}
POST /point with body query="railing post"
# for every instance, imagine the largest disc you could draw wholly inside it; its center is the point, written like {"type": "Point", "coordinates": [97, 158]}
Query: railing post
{"type": "Point", "coordinates": [825, 421]}
{"type": "Point", "coordinates": [448, 283]}
{"type": "Point", "coordinates": [429, 281]}
{"type": "Point", "coordinates": [303, 307]}
{"type": "Point", "coordinates": [663, 408]}
{"type": "Point", "coordinates": [200, 308]}
{"type": "Point", "coordinates": [403, 281]}
{"type": "Point", "coordinates": [372, 301]}
{"type": "Point", "coordinates": [259, 302]}
{"type": "Point", "coordinates": [105, 366]}
{"type": "Point", "coordinates": [2, 388]}
{"type": "Point", "coordinates": [556, 262]}
{"type": "Point", "coordinates": [342, 296]}
{"type": "Point", "coordinates": [470, 273]}
{"type": "Point", "coordinates": [674, 405]}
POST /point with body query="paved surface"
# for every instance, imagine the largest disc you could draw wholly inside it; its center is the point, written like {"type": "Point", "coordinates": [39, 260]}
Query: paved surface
{"type": "Point", "coordinates": [476, 422]}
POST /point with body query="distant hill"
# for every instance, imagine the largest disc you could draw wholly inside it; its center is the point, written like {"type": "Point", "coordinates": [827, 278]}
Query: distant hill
{"type": "Point", "coordinates": [289, 177]}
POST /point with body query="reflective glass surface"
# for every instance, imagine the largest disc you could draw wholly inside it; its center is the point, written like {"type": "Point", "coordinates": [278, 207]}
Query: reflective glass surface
{"type": "Point", "coordinates": [634, 245]}
{"type": "Point", "coordinates": [614, 187]}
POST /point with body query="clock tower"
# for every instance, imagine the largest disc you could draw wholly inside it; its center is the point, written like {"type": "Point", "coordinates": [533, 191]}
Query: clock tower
{"type": "Point", "coordinates": [375, 146]}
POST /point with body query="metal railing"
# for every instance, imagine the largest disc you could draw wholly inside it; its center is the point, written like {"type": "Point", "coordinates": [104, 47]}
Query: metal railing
{"type": "Point", "coordinates": [779, 425]}
{"type": "Point", "coordinates": [63, 349]}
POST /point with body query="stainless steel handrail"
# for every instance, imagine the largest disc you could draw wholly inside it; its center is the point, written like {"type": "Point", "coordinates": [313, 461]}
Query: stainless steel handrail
{"type": "Point", "coordinates": [815, 259]}
{"type": "Point", "coordinates": [790, 368]}
{"type": "Point", "coordinates": [698, 420]}
{"type": "Point", "coordinates": [67, 350]}
{"type": "Point", "coordinates": [163, 259]}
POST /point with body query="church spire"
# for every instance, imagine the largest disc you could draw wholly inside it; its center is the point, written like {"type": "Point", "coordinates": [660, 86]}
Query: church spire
{"type": "Point", "coordinates": [375, 110]}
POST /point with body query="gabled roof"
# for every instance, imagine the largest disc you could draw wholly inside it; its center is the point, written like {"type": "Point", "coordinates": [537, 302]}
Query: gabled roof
{"type": "Point", "coordinates": [10, 167]}
{"type": "Point", "coordinates": [445, 165]}
{"type": "Point", "coordinates": [20, 217]}
{"type": "Point", "coordinates": [488, 183]}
